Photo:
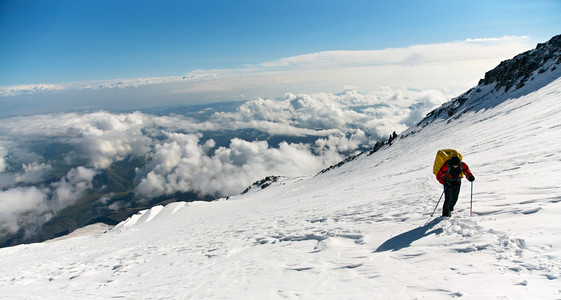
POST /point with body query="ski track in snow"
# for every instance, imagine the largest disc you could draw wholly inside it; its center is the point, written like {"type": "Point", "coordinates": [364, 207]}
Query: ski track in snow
{"type": "Point", "coordinates": [361, 231]}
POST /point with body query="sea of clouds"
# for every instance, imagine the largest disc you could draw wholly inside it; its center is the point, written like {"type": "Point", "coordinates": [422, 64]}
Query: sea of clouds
{"type": "Point", "coordinates": [178, 153]}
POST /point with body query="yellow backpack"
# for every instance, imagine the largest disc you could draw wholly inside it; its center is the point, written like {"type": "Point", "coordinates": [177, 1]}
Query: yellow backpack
{"type": "Point", "coordinates": [442, 156]}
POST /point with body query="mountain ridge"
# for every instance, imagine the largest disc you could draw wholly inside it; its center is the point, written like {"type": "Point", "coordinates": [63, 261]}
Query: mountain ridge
{"type": "Point", "coordinates": [543, 62]}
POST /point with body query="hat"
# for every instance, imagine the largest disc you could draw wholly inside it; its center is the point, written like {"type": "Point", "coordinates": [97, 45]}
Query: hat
{"type": "Point", "coordinates": [455, 160]}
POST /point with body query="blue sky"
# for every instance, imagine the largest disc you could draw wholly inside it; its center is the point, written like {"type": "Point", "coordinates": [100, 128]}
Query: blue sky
{"type": "Point", "coordinates": [53, 42]}
{"type": "Point", "coordinates": [58, 41]}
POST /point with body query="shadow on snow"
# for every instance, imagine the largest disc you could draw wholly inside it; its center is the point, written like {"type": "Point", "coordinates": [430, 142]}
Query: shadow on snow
{"type": "Point", "coordinates": [405, 239]}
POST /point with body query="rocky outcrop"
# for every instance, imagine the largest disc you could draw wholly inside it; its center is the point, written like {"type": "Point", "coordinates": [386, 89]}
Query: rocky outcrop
{"type": "Point", "coordinates": [517, 71]}
{"type": "Point", "coordinates": [512, 78]}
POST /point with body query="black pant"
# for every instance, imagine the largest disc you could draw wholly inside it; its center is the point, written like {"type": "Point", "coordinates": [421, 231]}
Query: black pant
{"type": "Point", "coordinates": [451, 193]}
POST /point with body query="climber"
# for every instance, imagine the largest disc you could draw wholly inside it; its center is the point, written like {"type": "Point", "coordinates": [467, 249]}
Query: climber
{"type": "Point", "coordinates": [450, 175]}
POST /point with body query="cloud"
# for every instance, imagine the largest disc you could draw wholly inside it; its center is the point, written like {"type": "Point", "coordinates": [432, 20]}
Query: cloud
{"type": "Point", "coordinates": [102, 138]}
{"type": "Point", "coordinates": [33, 173]}
{"type": "Point", "coordinates": [22, 206]}
{"type": "Point", "coordinates": [219, 155]}
{"type": "Point", "coordinates": [29, 207]}
{"type": "Point", "coordinates": [16, 90]}
{"type": "Point", "coordinates": [3, 153]}
{"type": "Point", "coordinates": [343, 144]}
{"type": "Point", "coordinates": [100, 84]}
{"type": "Point", "coordinates": [467, 50]}
{"type": "Point", "coordinates": [181, 164]}
{"type": "Point", "coordinates": [99, 137]}
{"type": "Point", "coordinates": [325, 114]}
{"type": "Point", "coordinates": [454, 66]}
{"type": "Point", "coordinates": [71, 187]}
{"type": "Point", "coordinates": [342, 123]}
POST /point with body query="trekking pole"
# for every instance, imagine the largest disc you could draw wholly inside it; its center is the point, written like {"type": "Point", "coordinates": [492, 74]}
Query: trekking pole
{"type": "Point", "coordinates": [471, 201]}
{"type": "Point", "coordinates": [436, 204]}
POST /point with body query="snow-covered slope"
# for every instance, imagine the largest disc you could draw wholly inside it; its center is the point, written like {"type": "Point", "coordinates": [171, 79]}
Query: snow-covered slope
{"type": "Point", "coordinates": [359, 231]}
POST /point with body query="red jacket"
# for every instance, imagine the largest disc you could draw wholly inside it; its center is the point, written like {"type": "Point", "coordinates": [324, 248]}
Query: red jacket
{"type": "Point", "coordinates": [444, 176]}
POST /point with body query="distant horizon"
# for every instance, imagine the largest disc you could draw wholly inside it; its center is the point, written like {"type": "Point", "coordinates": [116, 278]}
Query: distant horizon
{"type": "Point", "coordinates": [68, 55]}
{"type": "Point", "coordinates": [451, 68]}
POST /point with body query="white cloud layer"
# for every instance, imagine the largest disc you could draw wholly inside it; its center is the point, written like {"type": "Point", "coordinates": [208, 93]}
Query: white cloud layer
{"type": "Point", "coordinates": [453, 66]}
{"type": "Point", "coordinates": [33, 173]}
{"type": "Point", "coordinates": [3, 153]}
{"type": "Point", "coordinates": [180, 158]}
{"type": "Point", "coordinates": [467, 50]}
{"type": "Point", "coordinates": [29, 207]}
{"type": "Point", "coordinates": [180, 164]}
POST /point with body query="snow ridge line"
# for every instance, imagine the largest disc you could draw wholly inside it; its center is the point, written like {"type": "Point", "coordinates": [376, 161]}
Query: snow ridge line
{"type": "Point", "coordinates": [148, 215]}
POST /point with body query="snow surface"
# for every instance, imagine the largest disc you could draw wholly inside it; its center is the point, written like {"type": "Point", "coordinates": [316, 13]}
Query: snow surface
{"type": "Point", "coordinates": [360, 231]}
